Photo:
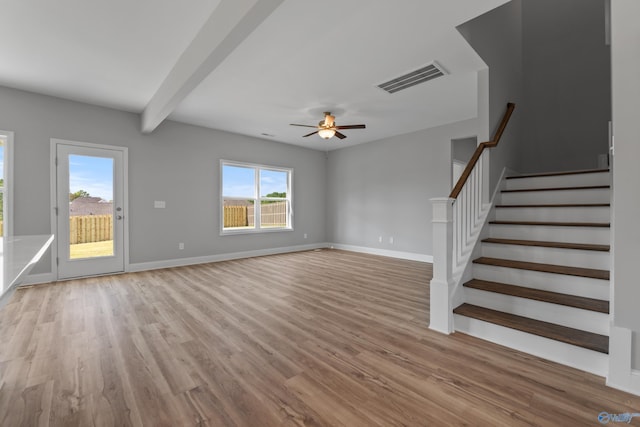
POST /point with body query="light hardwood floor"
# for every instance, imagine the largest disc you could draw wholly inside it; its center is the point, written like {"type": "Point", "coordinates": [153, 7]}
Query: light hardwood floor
{"type": "Point", "coordinates": [314, 338]}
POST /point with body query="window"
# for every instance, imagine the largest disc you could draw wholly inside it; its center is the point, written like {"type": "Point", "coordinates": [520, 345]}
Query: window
{"type": "Point", "coordinates": [255, 198]}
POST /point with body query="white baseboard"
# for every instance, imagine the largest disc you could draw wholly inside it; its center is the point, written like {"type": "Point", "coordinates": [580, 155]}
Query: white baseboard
{"type": "Point", "coordinates": [181, 262]}
{"type": "Point", "coordinates": [38, 279]}
{"type": "Point", "coordinates": [631, 385]}
{"type": "Point", "coordinates": [6, 296]}
{"type": "Point", "coordinates": [621, 374]}
{"type": "Point", "coordinates": [35, 279]}
{"type": "Point", "coordinates": [384, 252]}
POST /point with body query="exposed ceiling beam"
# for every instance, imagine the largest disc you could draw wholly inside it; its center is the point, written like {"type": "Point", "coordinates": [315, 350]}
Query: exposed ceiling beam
{"type": "Point", "coordinates": [228, 26]}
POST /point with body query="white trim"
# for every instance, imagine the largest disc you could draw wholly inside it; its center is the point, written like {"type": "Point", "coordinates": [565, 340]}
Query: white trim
{"type": "Point", "coordinates": [621, 375]}
{"type": "Point", "coordinates": [181, 262]}
{"type": "Point", "coordinates": [500, 185]}
{"type": "Point", "coordinates": [256, 197]}
{"type": "Point", "coordinates": [6, 296]}
{"type": "Point", "coordinates": [383, 252]}
{"type": "Point", "coordinates": [53, 180]}
{"type": "Point", "coordinates": [37, 279]}
{"type": "Point", "coordinates": [53, 195]}
{"type": "Point", "coordinates": [631, 386]}
{"type": "Point", "coordinates": [8, 182]}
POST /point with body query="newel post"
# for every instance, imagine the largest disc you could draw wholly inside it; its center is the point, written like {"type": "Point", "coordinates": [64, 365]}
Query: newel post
{"type": "Point", "coordinates": [441, 311]}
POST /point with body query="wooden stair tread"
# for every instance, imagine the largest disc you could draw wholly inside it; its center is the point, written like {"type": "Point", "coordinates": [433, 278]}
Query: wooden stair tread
{"type": "Point", "coordinates": [543, 174]}
{"type": "Point", "coordinates": [545, 268]}
{"type": "Point", "coordinates": [559, 245]}
{"type": "Point", "coordinates": [591, 304]}
{"type": "Point", "coordinates": [588, 187]}
{"type": "Point", "coordinates": [554, 223]}
{"type": "Point", "coordinates": [577, 337]}
{"type": "Point", "coordinates": [565, 205]}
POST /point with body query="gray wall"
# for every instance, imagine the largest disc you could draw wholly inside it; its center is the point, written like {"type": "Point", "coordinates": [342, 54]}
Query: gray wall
{"type": "Point", "coordinates": [625, 56]}
{"type": "Point", "coordinates": [177, 163]}
{"type": "Point", "coordinates": [497, 37]}
{"type": "Point", "coordinates": [383, 188]}
{"type": "Point", "coordinates": [462, 149]}
{"type": "Point", "coordinates": [567, 85]}
{"type": "Point", "coordinates": [554, 64]}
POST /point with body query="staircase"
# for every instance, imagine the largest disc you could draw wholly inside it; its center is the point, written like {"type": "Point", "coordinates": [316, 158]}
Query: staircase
{"type": "Point", "coordinates": [541, 284]}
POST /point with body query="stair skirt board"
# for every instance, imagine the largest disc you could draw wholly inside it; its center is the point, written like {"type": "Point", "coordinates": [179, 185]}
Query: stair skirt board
{"type": "Point", "coordinates": [595, 235]}
{"type": "Point", "coordinates": [590, 195]}
{"type": "Point", "coordinates": [556, 351]}
{"type": "Point", "coordinates": [573, 180]}
{"type": "Point", "coordinates": [568, 257]}
{"type": "Point", "coordinates": [565, 214]}
{"type": "Point", "coordinates": [571, 317]}
{"type": "Point", "coordinates": [564, 284]}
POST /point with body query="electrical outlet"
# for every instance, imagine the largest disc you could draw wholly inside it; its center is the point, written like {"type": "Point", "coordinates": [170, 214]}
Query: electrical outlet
{"type": "Point", "coordinates": [391, 240]}
{"type": "Point", "coordinates": [180, 246]}
{"type": "Point", "coordinates": [379, 239]}
{"type": "Point", "coordinates": [305, 235]}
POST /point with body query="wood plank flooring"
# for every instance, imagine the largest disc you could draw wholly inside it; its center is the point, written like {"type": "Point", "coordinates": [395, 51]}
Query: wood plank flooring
{"type": "Point", "coordinates": [318, 338]}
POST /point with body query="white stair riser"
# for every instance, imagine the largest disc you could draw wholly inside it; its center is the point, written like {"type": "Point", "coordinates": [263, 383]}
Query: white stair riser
{"type": "Point", "coordinates": [577, 180]}
{"type": "Point", "coordinates": [560, 315]}
{"type": "Point", "coordinates": [561, 283]}
{"type": "Point", "coordinates": [597, 195]}
{"type": "Point", "coordinates": [569, 257]}
{"type": "Point", "coordinates": [566, 354]}
{"type": "Point", "coordinates": [564, 214]}
{"type": "Point", "coordinates": [593, 235]}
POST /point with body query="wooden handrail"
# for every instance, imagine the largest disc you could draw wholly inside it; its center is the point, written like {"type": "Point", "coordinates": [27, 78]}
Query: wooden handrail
{"type": "Point", "coordinates": [476, 155]}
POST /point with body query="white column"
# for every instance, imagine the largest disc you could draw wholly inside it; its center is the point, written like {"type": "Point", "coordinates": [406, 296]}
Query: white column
{"type": "Point", "coordinates": [441, 311]}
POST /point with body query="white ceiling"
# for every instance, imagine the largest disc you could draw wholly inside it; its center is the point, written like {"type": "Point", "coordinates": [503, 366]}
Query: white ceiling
{"type": "Point", "coordinates": [306, 57]}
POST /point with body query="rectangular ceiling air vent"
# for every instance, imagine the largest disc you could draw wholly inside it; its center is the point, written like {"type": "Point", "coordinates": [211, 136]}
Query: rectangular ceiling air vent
{"type": "Point", "coordinates": [413, 78]}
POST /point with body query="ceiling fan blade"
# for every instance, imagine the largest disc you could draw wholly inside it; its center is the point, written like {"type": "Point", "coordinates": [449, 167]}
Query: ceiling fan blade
{"type": "Point", "coordinates": [351, 127]}
{"type": "Point", "coordinates": [304, 126]}
{"type": "Point", "coordinates": [309, 134]}
{"type": "Point", "coordinates": [340, 135]}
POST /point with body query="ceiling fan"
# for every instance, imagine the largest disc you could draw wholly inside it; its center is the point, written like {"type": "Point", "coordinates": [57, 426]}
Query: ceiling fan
{"type": "Point", "coordinates": [327, 128]}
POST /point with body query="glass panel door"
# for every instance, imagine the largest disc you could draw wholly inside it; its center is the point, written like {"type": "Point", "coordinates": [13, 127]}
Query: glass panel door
{"type": "Point", "coordinates": [89, 192]}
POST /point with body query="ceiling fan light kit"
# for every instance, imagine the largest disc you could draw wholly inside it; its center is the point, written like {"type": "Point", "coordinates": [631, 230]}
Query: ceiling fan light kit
{"type": "Point", "coordinates": [327, 128]}
{"type": "Point", "coordinates": [326, 133]}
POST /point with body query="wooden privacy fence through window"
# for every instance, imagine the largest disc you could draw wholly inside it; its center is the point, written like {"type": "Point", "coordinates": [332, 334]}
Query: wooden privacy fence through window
{"type": "Point", "coordinates": [272, 215]}
{"type": "Point", "coordinates": [235, 216]}
{"type": "Point", "coordinates": [90, 228]}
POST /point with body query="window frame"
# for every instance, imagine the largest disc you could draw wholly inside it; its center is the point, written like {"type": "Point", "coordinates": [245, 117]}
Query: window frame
{"type": "Point", "coordinates": [256, 198]}
{"type": "Point", "coordinates": [7, 187]}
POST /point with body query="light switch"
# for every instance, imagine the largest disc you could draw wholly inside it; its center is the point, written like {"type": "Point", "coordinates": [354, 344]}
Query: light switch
{"type": "Point", "coordinates": [159, 204]}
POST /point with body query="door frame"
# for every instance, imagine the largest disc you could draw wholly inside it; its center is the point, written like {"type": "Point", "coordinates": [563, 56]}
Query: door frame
{"type": "Point", "coordinates": [54, 194]}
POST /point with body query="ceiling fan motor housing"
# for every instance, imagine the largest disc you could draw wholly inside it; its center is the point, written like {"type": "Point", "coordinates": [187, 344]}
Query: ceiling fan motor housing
{"type": "Point", "coordinates": [327, 128]}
